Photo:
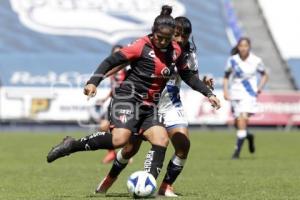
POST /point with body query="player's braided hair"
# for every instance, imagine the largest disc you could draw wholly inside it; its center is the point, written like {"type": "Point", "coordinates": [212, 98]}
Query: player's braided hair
{"type": "Point", "coordinates": [235, 50]}
{"type": "Point", "coordinates": [164, 19]}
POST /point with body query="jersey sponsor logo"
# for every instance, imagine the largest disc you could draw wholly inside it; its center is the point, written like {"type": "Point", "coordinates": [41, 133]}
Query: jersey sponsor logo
{"type": "Point", "coordinates": [124, 115]}
{"type": "Point", "coordinates": [152, 54]}
{"type": "Point", "coordinates": [123, 118]}
{"type": "Point", "coordinates": [124, 111]}
{"type": "Point", "coordinates": [105, 20]}
{"type": "Point", "coordinates": [165, 72]}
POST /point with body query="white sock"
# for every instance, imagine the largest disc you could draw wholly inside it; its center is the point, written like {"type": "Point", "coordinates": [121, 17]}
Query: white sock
{"type": "Point", "coordinates": [120, 157]}
{"type": "Point", "coordinates": [178, 161]}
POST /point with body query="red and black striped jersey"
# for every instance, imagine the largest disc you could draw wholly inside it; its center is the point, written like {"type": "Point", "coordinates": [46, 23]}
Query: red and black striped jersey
{"type": "Point", "coordinates": [151, 68]}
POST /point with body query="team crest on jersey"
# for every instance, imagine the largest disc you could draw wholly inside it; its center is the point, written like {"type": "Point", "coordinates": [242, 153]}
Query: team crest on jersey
{"type": "Point", "coordinates": [123, 118]}
{"type": "Point", "coordinates": [165, 72]}
{"type": "Point", "coordinates": [107, 20]}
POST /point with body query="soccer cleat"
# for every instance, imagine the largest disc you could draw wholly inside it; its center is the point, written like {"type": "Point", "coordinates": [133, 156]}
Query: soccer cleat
{"type": "Point", "coordinates": [105, 184]}
{"type": "Point", "coordinates": [250, 138]}
{"type": "Point", "coordinates": [61, 150]}
{"type": "Point", "coordinates": [166, 190]}
{"type": "Point", "coordinates": [235, 155]}
{"type": "Point", "coordinates": [109, 157]}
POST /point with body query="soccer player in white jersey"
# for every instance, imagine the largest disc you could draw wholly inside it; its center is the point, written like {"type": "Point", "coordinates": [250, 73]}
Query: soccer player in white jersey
{"type": "Point", "coordinates": [241, 74]}
{"type": "Point", "coordinates": [171, 109]}
{"type": "Point", "coordinates": [172, 113]}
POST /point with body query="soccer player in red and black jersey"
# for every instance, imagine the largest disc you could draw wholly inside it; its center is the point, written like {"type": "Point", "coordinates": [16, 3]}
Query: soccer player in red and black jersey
{"type": "Point", "coordinates": [175, 123]}
{"type": "Point", "coordinates": [153, 59]}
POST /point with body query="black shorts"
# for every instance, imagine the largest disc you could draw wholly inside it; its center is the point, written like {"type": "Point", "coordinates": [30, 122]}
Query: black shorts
{"type": "Point", "coordinates": [132, 115]}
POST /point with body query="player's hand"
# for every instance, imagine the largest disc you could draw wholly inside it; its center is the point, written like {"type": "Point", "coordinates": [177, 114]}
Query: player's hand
{"type": "Point", "coordinates": [215, 102]}
{"type": "Point", "coordinates": [258, 92]}
{"type": "Point", "coordinates": [209, 82]}
{"type": "Point", "coordinates": [226, 96]}
{"type": "Point", "coordinates": [90, 90]}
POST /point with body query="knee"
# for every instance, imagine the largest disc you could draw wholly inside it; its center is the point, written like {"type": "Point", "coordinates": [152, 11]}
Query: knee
{"type": "Point", "coordinates": [162, 141]}
{"type": "Point", "coordinates": [104, 127]}
{"type": "Point", "coordinates": [118, 142]}
{"type": "Point", "coordinates": [129, 151]}
{"type": "Point", "coordinates": [182, 149]}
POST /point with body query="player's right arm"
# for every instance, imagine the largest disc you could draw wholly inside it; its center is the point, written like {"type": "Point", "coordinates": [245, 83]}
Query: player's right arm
{"type": "Point", "coordinates": [124, 56]}
{"type": "Point", "coordinates": [228, 71]}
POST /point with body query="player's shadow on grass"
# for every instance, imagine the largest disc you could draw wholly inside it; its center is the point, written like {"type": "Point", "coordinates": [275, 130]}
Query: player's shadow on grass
{"type": "Point", "coordinates": [115, 195]}
{"type": "Point", "coordinates": [110, 195]}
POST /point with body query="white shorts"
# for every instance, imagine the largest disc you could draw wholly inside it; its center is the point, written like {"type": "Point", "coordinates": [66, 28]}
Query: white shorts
{"type": "Point", "coordinates": [174, 117]}
{"type": "Point", "coordinates": [244, 106]}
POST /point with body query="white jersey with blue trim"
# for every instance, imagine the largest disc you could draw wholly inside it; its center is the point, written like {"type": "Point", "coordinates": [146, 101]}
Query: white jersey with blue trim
{"type": "Point", "coordinates": [244, 76]}
{"type": "Point", "coordinates": [170, 97]}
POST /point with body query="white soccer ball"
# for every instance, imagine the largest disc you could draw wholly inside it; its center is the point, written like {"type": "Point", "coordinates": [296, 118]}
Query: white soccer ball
{"type": "Point", "coordinates": [141, 184]}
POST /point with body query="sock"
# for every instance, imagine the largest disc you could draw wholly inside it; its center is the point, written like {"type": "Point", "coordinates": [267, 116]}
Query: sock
{"type": "Point", "coordinates": [155, 160]}
{"type": "Point", "coordinates": [249, 134]}
{"type": "Point", "coordinates": [99, 140]}
{"type": "Point", "coordinates": [118, 165]}
{"type": "Point", "coordinates": [241, 134]}
{"type": "Point", "coordinates": [175, 167]}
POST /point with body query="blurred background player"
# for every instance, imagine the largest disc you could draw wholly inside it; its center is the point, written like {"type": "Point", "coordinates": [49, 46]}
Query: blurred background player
{"type": "Point", "coordinates": [172, 111]}
{"type": "Point", "coordinates": [172, 114]}
{"type": "Point", "coordinates": [242, 70]}
{"type": "Point", "coordinates": [99, 113]}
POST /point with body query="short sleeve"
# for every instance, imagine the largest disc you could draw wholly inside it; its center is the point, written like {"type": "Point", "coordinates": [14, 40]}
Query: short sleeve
{"type": "Point", "coordinates": [181, 63]}
{"type": "Point", "coordinates": [261, 67]}
{"type": "Point", "coordinates": [133, 50]}
{"type": "Point", "coordinates": [228, 67]}
{"type": "Point", "coordinates": [192, 61]}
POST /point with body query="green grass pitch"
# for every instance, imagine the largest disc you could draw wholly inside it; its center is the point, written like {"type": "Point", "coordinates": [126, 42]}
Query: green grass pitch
{"type": "Point", "coordinates": [273, 173]}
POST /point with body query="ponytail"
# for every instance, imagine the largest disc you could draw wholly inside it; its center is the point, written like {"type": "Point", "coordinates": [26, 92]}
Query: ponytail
{"type": "Point", "coordinates": [164, 19]}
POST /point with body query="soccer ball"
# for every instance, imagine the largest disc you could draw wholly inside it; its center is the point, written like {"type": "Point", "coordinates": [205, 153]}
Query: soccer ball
{"type": "Point", "coordinates": [141, 184]}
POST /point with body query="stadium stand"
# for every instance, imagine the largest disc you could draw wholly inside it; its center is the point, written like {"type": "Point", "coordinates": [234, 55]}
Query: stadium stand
{"type": "Point", "coordinates": [285, 31]}
{"type": "Point", "coordinates": [255, 26]}
{"type": "Point", "coordinates": [294, 65]}
{"type": "Point", "coordinates": [32, 60]}
{"type": "Point", "coordinates": [22, 49]}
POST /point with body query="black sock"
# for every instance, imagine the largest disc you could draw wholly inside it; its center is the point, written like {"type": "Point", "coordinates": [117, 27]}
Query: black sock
{"type": "Point", "coordinates": [99, 140]}
{"type": "Point", "coordinates": [175, 167]}
{"type": "Point", "coordinates": [239, 144]}
{"type": "Point", "coordinates": [118, 165]}
{"type": "Point", "coordinates": [155, 160]}
{"type": "Point", "coordinates": [249, 135]}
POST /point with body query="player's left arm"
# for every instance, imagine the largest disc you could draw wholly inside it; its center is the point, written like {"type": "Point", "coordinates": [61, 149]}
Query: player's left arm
{"type": "Point", "coordinates": [264, 77]}
{"type": "Point", "coordinates": [191, 78]}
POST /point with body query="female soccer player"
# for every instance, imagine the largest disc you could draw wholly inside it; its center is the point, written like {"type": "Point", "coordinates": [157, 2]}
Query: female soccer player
{"type": "Point", "coordinates": [243, 66]}
{"type": "Point", "coordinates": [133, 108]}
{"type": "Point", "coordinates": [172, 113]}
